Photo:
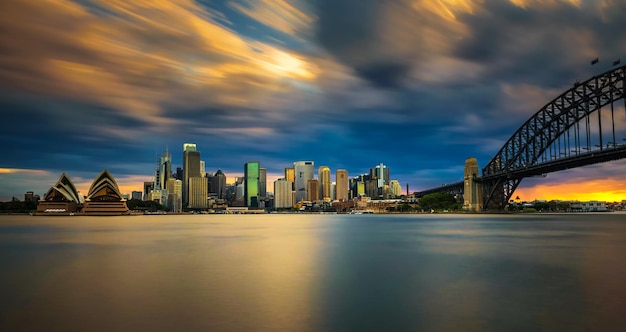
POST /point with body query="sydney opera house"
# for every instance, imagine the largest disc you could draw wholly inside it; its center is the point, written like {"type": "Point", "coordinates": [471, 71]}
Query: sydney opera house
{"type": "Point", "coordinates": [104, 198]}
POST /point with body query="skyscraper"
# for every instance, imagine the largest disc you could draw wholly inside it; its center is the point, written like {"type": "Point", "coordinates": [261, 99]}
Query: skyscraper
{"type": "Point", "coordinates": [165, 169]}
{"type": "Point", "coordinates": [341, 177]}
{"type": "Point", "coordinates": [262, 182]}
{"type": "Point", "coordinates": [313, 190]}
{"type": "Point", "coordinates": [323, 174]}
{"type": "Point", "coordinates": [282, 194]}
{"type": "Point", "coordinates": [303, 173]}
{"type": "Point", "coordinates": [175, 195]}
{"type": "Point", "coordinates": [198, 189]}
{"type": "Point", "coordinates": [381, 174]}
{"type": "Point", "coordinates": [290, 174]}
{"type": "Point", "coordinates": [395, 188]}
{"type": "Point", "coordinates": [217, 184]}
{"type": "Point", "coordinates": [251, 184]}
{"type": "Point", "coordinates": [191, 168]}
{"type": "Point", "coordinates": [148, 187]}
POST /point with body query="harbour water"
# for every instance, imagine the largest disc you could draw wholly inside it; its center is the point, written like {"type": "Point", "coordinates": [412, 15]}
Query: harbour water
{"type": "Point", "coordinates": [559, 272]}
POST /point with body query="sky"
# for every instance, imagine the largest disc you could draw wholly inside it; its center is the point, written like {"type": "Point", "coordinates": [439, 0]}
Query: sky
{"type": "Point", "coordinates": [417, 85]}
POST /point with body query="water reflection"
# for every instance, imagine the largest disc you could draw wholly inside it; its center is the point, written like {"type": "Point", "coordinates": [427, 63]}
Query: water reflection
{"type": "Point", "coordinates": [313, 273]}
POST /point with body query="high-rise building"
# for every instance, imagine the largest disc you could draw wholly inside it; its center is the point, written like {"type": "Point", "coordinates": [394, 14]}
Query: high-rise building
{"type": "Point", "coordinates": [198, 189]}
{"type": "Point", "coordinates": [148, 187]}
{"type": "Point", "coordinates": [217, 185]}
{"type": "Point", "coordinates": [341, 191]}
{"type": "Point", "coordinates": [303, 173]}
{"type": "Point", "coordinates": [371, 188]}
{"type": "Point", "coordinates": [251, 187]}
{"type": "Point", "coordinates": [290, 174]}
{"type": "Point", "coordinates": [323, 174]}
{"type": "Point", "coordinates": [179, 173]}
{"type": "Point", "coordinates": [191, 168]}
{"type": "Point", "coordinates": [202, 168]}
{"type": "Point", "coordinates": [175, 195]}
{"type": "Point", "coordinates": [262, 182]}
{"type": "Point", "coordinates": [357, 186]}
{"type": "Point", "coordinates": [136, 194]}
{"type": "Point", "coordinates": [381, 174]}
{"type": "Point", "coordinates": [29, 196]}
{"type": "Point", "coordinates": [313, 190]}
{"type": "Point", "coordinates": [283, 197]}
{"type": "Point", "coordinates": [165, 170]}
{"type": "Point", "coordinates": [395, 188]}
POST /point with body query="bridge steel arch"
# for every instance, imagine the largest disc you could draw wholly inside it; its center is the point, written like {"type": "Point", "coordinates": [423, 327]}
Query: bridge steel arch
{"type": "Point", "coordinates": [527, 147]}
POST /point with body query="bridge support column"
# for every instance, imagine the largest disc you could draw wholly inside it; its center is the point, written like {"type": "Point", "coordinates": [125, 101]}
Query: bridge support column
{"type": "Point", "coordinates": [473, 190]}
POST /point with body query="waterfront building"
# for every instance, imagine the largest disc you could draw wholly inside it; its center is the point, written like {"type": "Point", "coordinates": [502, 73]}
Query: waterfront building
{"type": "Point", "coordinates": [61, 197]}
{"type": "Point", "coordinates": [323, 175]}
{"type": "Point", "coordinates": [179, 173]}
{"type": "Point", "coordinates": [395, 188]}
{"type": "Point", "coordinates": [341, 177]}
{"type": "Point", "coordinates": [104, 197]}
{"type": "Point", "coordinates": [333, 191]}
{"type": "Point", "coordinates": [217, 185]}
{"type": "Point", "coordinates": [290, 175]}
{"type": "Point", "coordinates": [175, 195]}
{"type": "Point", "coordinates": [202, 169]}
{"type": "Point", "coordinates": [240, 190]}
{"type": "Point", "coordinates": [303, 173]}
{"type": "Point", "coordinates": [251, 187]}
{"type": "Point", "coordinates": [381, 174]}
{"type": "Point", "coordinates": [262, 182]}
{"type": "Point", "coordinates": [191, 168]}
{"type": "Point", "coordinates": [590, 206]}
{"type": "Point", "coordinates": [283, 194]}
{"type": "Point", "coordinates": [136, 195]}
{"type": "Point", "coordinates": [198, 190]}
{"type": "Point", "coordinates": [313, 190]}
{"type": "Point", "coordinates": [148, 187]}
{"type": "Point", "coordinates": [163, 171]}
{"type": "Point", "coordinates": [372, 189]}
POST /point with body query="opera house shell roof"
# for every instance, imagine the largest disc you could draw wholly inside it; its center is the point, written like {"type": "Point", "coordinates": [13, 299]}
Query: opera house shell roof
{"type": "Point", "coordinates": [104, 188]}
{"type": "Point", "coordinates": [64, 190]}
{"type": "Point", "coordinates": [104, 198]}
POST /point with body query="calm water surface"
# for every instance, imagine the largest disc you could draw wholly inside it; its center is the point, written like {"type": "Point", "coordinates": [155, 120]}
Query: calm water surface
{"type": "Point", "coordinates": [314, 273]}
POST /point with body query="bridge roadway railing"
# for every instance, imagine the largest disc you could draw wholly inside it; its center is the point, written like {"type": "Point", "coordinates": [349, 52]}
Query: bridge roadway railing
{"type": "Point", "coordinates": [456, 187]}
{"type": "Point", "coordinates": [583, 159]}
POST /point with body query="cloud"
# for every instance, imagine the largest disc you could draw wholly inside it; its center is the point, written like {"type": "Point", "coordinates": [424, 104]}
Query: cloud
{"type": "Point", "coordinates": [138, 57]}
{"type": "Point", "coordinates": [419, 85]}
{"type": "Point", "coordinates": [382, 41]}
{"type": "Point", "coordinates": [282, 15]}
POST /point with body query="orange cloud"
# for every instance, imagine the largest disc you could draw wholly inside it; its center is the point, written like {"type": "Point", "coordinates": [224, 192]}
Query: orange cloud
{"type": "Point", "coordinates": [281, 15]}
{"type": "Point", "coordinates": [137, 56]}
{"type": "Point", "coordinates": [530, 3]}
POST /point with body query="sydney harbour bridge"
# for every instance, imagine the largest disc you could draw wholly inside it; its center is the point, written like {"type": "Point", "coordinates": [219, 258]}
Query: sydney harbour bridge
{"type": "Point", "coordinates": [584, 125]}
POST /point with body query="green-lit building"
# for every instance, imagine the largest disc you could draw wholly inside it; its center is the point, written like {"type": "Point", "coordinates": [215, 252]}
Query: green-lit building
{"type": "Point", "coordinates": [251, 184]}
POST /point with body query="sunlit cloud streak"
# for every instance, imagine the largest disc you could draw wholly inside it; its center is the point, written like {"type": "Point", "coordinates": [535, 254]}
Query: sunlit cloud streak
{"type": "Point", "coordinates": [421, 85]}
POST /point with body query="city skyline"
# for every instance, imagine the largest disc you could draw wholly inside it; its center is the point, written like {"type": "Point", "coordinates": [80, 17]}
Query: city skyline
{"type": "Point", "coordinates": [419, 85]}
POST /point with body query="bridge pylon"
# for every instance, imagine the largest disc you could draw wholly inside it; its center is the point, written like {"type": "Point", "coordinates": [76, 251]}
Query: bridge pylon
{"type": "Point", "coordinates": [473, 189]}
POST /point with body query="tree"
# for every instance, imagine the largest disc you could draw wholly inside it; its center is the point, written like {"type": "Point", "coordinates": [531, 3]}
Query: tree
{"type": "Point", "coordinates": [542, 206]}
{"type": "Point", "coordinates": [137, 204]}
{"type": "Point", "coordinates": [438, 201]}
